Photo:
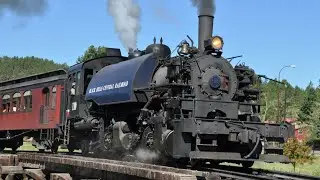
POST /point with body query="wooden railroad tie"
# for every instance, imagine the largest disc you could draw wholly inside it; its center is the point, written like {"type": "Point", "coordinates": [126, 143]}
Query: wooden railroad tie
{"type": "Point", "coordinates": [11, 172]}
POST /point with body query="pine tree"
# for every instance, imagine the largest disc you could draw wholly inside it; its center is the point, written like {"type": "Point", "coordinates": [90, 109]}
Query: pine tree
{"type": "Point", "coordinates": [306, 111]}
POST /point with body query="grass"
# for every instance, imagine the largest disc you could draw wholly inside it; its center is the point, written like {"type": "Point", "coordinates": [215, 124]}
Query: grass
{"type": "Point", "coordinates": [312, 169]}
{"type": "Point", "coordinates": [309, 169]}
{"type": "Point", "coordinates": [27, 146]}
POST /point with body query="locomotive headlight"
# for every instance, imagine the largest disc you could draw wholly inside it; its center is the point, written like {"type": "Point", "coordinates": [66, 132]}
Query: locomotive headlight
{"type": "Point", "coordinates": [217, 42]}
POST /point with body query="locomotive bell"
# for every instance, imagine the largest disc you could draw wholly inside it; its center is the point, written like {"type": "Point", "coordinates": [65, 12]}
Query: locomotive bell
{"type": "Point", "coordinates": [184, 48]}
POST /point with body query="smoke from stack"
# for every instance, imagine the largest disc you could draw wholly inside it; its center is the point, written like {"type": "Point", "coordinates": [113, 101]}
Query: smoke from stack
{"type": "Point", "coordinates": [126, 15]}
{"type": "Point", "coordinates": [23, 7]}
{"type": "Point", "coordinates": [205, 7]}
{"type": "Point", "coordinates": [206, 11]}
{"type": "Point", "coordinates": [163, 13]}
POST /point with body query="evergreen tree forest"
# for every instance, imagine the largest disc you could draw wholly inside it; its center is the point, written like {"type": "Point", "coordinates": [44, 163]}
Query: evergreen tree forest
{"type": "Point", "coordinates": [294, 102]}
{"type": "Point", "coordinates": [16, 67]}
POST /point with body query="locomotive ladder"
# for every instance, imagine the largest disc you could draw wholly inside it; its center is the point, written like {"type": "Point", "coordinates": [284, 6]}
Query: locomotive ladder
{"type": "Point", "coordinates": [47, 134]}
{"type": "Point", "coordinates": [66, 132]}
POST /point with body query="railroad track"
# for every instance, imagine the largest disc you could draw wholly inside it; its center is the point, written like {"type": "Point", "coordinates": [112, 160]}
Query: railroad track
{"type": "Point", "coordinates": [145, 171]}
{"type": "Point", "coordinates": [262, 174]}
{"type": "Point", "coordinates": [18, 172]}
{"type": "Point", "coordinates": [268, 173]}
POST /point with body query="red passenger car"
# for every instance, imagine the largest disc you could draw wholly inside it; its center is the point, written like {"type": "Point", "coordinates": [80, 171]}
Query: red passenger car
{"type": "Point", "coordinates": [30, 106]}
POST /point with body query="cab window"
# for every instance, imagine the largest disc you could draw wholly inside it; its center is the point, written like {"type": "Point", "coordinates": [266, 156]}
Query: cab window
{"type": "Point", "coordinates": [88, 73]}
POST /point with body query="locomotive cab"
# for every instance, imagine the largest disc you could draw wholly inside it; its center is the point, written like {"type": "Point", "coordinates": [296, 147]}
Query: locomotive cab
{"type": "Point", "coordinates": [78, 79]}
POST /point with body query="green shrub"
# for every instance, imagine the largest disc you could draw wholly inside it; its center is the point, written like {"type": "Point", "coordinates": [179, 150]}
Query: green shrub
{"type": "Point", "coordinates": [298, 153]}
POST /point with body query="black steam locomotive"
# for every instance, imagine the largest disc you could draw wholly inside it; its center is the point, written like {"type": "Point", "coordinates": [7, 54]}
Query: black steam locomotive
{"type": "Point", "coordinates": [192, 108]}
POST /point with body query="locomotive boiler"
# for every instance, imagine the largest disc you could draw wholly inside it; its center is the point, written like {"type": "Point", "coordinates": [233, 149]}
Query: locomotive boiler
{"type": "Point", "coordinates": [191, 108]}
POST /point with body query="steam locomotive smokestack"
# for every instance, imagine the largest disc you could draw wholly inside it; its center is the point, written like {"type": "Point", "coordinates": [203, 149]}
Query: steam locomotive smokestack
{"type": "Point", "coordinates": [206, 10]}
{"type": "Point", "coordinates": [205, 30]}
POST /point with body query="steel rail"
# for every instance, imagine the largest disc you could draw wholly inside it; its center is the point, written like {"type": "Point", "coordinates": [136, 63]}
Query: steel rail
{"type": "Point", "coordinates": [208, 173]}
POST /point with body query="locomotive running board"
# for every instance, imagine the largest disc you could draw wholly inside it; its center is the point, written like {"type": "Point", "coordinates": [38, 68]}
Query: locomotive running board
{"type": "Point", "coordinates": [221, 156]}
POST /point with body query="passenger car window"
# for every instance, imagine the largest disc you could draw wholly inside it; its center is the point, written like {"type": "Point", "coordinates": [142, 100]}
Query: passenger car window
{"type": "Point", "coordinates": [54, 97]}
{"type": "Point", "coordinates": [27, 100]}
{"type": "Point", "coordinates": [6, 103]}
{"type": "Point", "coordinates": [16, 102]}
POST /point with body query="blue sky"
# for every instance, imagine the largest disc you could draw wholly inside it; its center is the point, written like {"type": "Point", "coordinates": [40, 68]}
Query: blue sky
{"type": "Point", "coordinates": [269, 34]}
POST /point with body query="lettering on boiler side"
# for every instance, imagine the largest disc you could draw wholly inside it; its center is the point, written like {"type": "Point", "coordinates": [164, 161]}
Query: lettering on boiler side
{"type": "Point", "coordinates": [109, 87]}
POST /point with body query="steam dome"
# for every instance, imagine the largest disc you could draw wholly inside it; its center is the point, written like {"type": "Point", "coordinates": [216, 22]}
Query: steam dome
{"type": "Point", "coordinates": [160, 50]}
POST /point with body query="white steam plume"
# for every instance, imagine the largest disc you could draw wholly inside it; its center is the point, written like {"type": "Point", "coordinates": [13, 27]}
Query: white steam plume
{"type": "Point", "coordinates": [126, 15]}
{"type": "Point", "coordinates": [146, 156]}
